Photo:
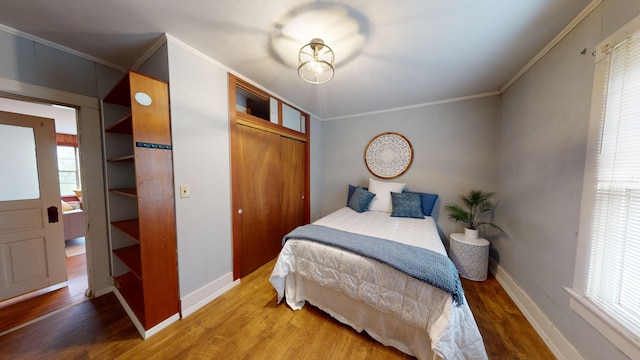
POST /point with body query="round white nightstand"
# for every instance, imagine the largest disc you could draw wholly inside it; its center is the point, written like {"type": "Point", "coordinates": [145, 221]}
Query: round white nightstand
{"type": "Point", "coordinates": [471, 256]}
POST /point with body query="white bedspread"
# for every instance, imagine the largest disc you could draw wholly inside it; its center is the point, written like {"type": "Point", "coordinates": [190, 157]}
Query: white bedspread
{"type": "Point", "coordinates": [452, 330]}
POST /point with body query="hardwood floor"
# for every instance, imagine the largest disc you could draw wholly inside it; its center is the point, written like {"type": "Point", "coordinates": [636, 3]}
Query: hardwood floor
{"type": "Point", "coordinates": [246, 323]}
{"type": "Point", "coordinates": [506, 332]}
{"type": "Point", "coordinates": [23, 309]}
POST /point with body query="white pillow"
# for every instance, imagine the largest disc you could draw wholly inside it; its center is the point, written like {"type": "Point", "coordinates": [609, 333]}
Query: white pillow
{"type": "Point", "coordinates": [66, 206]}
{"type": "Point", "coordinates": [383, 189]}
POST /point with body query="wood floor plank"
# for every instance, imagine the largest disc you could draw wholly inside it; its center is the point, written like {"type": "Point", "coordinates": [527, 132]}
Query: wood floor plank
{"type": "Point", "coordinates": [15, 313]}
{"type": "Point", "coordinates": [506, 332]}
{"type": "Point", "coordinates": [246, 323]}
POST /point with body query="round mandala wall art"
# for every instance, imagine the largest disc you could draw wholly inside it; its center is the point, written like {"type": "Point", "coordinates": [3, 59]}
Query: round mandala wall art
{"type": "Point", "coordinates": [388, 155]}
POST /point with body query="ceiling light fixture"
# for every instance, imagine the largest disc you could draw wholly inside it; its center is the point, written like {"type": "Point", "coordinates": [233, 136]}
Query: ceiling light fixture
{"type": "Point", "coordinates": [315, 62]}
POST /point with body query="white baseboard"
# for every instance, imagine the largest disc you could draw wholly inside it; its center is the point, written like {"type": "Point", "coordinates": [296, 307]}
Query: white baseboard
{"type": "Point", "coordinates": [100, 292]}
{"type": "Point", "coordinates": [201, 297]}
{"type": "Point", "coordinates": [550, 334]}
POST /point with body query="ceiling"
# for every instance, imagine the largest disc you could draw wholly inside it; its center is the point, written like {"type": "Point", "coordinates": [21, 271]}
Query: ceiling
{"type": "Point", "coordinates": [389, 54]}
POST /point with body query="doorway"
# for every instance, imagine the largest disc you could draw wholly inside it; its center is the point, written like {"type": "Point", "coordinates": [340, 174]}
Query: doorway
{"type": "Point", "coordinates": [24, 309]}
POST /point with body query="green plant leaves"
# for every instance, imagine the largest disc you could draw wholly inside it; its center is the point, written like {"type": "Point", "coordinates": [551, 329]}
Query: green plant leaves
{"type": "Point", "coordinates": [476, 202]}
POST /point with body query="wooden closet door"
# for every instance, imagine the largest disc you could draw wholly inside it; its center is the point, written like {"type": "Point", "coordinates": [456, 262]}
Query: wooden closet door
{"type": "Point", "coordinates": [259, 187]}
{"type": "Point", "coordinates": [293, 161]}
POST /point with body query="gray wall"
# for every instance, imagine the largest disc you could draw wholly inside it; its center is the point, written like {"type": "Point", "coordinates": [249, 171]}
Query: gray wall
{"type": "Point", "coordinates": [543, 136]}
{"type": "Point", "coordinates": [157, 64]}
{"type": "Point", "coordinates": [316, 160]}
{"type": "Point", "coordinates": [58, 76]}
{"type": "Point", "coordinates": [200, 130]}
{"type": "Point", "coordinates": [454, 144]}
{"type": "Point", "coordinates": [33, 63]}
{"type": "Point", "coordinates": [529, 147]}
{"type": "Point", "coordinates": [200, 139]}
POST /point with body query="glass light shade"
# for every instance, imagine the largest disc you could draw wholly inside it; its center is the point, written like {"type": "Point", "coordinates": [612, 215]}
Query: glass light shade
{"type": "Point", "coordinates": [315, 62]}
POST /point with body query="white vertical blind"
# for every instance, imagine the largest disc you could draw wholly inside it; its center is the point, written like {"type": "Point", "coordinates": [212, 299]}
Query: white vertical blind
{"type": "Point", "coordinates": [613, 280]}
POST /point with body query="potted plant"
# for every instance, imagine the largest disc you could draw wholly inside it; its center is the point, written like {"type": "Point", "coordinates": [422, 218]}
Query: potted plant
{"type": "Point", "coordinates": [475, 204]}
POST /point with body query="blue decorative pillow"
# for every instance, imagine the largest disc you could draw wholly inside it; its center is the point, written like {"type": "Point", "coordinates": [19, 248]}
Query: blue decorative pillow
{"type": "Point", "coordinates": [351, 190]}
{"type": "Point", "coordinates": [360, 199]}
{"type": "Point", "coordinates": [428, 202]}
{"type": "Point", "coordinates": [406, 205]}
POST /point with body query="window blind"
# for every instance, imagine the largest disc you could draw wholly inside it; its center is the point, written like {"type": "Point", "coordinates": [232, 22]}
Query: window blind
{"type": "Point", "coordinates": [613, 279]}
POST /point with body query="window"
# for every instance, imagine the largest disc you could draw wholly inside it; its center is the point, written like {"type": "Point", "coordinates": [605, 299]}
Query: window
{"type": "Point", "coordinates": [68, 169]}
{"type": "Point", "coordinates": [18, 157]}
{"type": "Point", "coordinates": [607, 286]}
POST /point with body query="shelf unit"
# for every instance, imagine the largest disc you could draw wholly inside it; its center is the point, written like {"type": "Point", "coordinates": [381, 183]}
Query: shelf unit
{"type": "Point", "coordinates": [141, 201]}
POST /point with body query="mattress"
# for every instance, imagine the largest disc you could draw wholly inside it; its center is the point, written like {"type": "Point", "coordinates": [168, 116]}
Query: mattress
{"type": "Point", "coordinates": [394, 308]}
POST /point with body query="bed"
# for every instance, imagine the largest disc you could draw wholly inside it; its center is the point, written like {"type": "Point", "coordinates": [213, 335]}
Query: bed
{"type": "Point", "coordinates": [421, 319]}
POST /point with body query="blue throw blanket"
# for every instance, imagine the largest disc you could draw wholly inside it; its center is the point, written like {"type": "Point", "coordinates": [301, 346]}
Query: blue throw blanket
{"type": "Point", "coordinates": [423, 264]}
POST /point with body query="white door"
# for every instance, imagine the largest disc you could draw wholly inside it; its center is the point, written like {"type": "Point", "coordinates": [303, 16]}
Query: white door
{"type": "Point", "coordinates": [31, 234]}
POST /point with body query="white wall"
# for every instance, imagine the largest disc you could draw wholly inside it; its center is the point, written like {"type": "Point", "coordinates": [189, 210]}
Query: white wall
{"type": "Point", "coordinates": [316, 160]}
{"type": "Point", "coordinates": [454, 148]}
{"type": "Point", "coordinates": [543, 136]}
{"type": "Point", "coordinates": [200, 129]}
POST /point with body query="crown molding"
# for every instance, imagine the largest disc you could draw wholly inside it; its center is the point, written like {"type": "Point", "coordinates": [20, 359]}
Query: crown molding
{"type": "Point", "coordinates": [567, 29]}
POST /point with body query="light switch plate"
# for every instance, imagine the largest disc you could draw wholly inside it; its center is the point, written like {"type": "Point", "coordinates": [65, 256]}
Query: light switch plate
{"type": "Point", "coordinates": [184, 191]}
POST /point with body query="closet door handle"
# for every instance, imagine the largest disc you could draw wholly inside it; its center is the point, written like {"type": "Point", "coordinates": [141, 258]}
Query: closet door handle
{"type": "Point", "coordinates": [239, 211]}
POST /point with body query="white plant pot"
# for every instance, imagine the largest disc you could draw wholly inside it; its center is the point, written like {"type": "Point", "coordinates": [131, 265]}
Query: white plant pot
{"type": "Point", "coordinates": [471, 234]}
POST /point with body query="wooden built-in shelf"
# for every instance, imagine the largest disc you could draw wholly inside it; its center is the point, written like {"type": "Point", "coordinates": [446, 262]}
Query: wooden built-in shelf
{"type": "Point", "coordinates": [127, 158]}
{"type": "Point", "coordinates": [130, 227]}
{"type": "Point", "coordinates": [142, 185]}
{"type": "Point", "coordinates": [130, 287]}
{"type": "Point", "coordinates": [120, 93]}
{"type": "Point", "coordinates": [122, 126]}
{"type": "Point", "coordinates": [130, 256]}
{"type": "Point", "coordinates": [131, 192]}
